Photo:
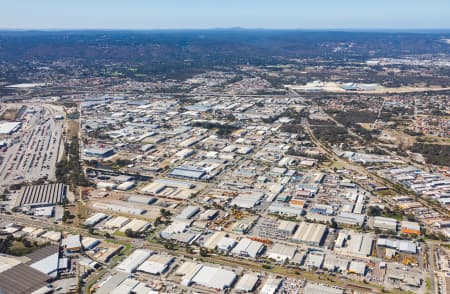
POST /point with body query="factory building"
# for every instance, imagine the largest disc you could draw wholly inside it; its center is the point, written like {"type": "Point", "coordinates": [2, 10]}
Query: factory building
{"type": "Point", "coordinates": [42, 195]}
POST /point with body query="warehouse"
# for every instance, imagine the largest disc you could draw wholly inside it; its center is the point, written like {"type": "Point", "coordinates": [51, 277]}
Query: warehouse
{"type": "Point", "coordinates": [94, 219]}
{"type": "Point", "coordinates": [157, 264]}
{"type": "Point", "coordinates": [132, 262]}
{"type": "Point", "coordinates": [116, 222]}
{"type": "Point", "coordinates": [314, 259]}
{"type": "Point", "coordinates": [408, 227]}
{"type": "Point", "coordinates": [43, 195]}
{"type": "Point", "coordinates": [98, 152]}
{"type": "Point", "coordinates": [271, 285]}
{"type": "Point", "coordinates": [401, 245]}
{"type": "Point", "coordinates": [135, 225]}
{"type": "Point", "coordinates": [385, 223]}
{"type": "Point", "coordinates": [357, 267]}
{"type": "Point", "coordinates": [188, 212]}
{"type": "Point", "coordinates": [360, 244]}
{"type": "Point", "coordinates": [187, 172]}
{"type": "Point", "coordinates": [333, 263]}
{"type": "Point", "coordinates": [119, 208]}
{"type": "Point", "coordinates": [72, 243]}
{"type": "Point", "coordinates": [311, 288]}
{"type": "Point", "coordinates": [22, 279]}
{"type": "Point", "coordinates": [226, 244]}
{"type": "Point", "coordinates": [126, 186]}
{"type": "Point", "coordinates": [311, 234]}
{"type": "Point", "coordinates": [247, 283]}
{"type": "Point", "coordinates": [48, 265]}
{"type": "Point", "coordinates": [247, 199]}
{"type": "Point", "coordinates": [288, 210]}
{"type": "Point", "coordinates": [7, 128]}
{"type": "Point", "coordinates": [212, 277]}
{"type": "Point", "coordinates": [89, 243]}
{"type": "Point", "coordinates": [281, 252]}
{"type": "Point", "coordinates": [248, 248]}
{"type": "Point", "coordinates": [141, 199]}
{"type": "Point", "coordinates": [352, 219]}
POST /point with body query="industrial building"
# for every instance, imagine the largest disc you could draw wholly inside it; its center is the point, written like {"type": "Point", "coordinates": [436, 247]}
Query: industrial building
{"type": "Point", "coordinates": [188, 212]}
{"type": "Point", "coordinates": [400, 245]}
{"type": "Point", "coordinates": [311, 234]}
{"type": "Point", "coordinates": [271, 285]}
{"type": "Point", "coordinates": [311, 288]}
{"type": "Point", "coordinates": [281, 252]}
{"type": "Point", "coordinates": [247, 283]}
{"type": "Point", "coordinates": [212, 277]}
{"type": "Point", "coordinates": [141, 199]}
{"type": "Point", "coordinates": [408, 227]}
{"type": "Point", "coordinates": [248, 248]}
{"type": "Point", "coordinates": [385, 223]}
{"type": "Point", "coordinates": [116, 222]}
{"type": "Point", "coordinates": [351, 219]}
{"type": "Point", "coordinates": [72, 243]}
{"type": "Point", "coordinates": [98, 152]}
{"type": "Point", "coordinates": [247, 199]}
{"type": "Point", "coordinates": [42, 195]}
{"type": "Point", "coordinates": [136, 225]}
{"type": "Point", "coordinates": [360, 244]}
{"type": "Point", "coordinates": [156, 264]}
{"type": "Point", "coordinates": [94, 219]}
{"type": "Point", "coordinates": [119, 208]}
{"type": "Point", "coordinates": [333, 263]}
{"type": "Point", "coordinates": [8, 128]}
{"type": "Point", "coordinates": [132, 262]}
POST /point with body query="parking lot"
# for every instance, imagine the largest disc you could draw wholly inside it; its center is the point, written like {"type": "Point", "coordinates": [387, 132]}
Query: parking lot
{"type": "Point", "coordinates": [34, 150]}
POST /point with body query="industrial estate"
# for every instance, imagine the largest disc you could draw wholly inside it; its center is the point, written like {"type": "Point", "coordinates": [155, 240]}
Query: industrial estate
{"type": "Point", "coordinates": [305, 174]}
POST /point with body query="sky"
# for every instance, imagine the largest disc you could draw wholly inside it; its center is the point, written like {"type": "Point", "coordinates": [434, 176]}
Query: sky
{"type": "Point", "coordinates": [202, 14]}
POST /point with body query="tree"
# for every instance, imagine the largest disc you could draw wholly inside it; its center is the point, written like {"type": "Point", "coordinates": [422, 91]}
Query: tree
{"type": "Point", "coordinates": [130, 233]}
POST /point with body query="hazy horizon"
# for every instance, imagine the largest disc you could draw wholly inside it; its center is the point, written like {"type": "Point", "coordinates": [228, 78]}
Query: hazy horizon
{"type": "Point", "coordinates": [215, 14]}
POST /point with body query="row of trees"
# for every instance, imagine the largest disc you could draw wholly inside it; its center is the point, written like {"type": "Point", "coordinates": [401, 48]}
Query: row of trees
{"type": "Point", "coordinates": [68, 170]}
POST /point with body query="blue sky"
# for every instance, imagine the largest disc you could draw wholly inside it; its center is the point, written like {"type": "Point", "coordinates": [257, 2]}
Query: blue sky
{"type": "Point", "coordinates": [185, 14]}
